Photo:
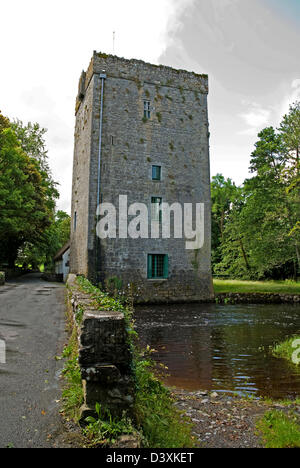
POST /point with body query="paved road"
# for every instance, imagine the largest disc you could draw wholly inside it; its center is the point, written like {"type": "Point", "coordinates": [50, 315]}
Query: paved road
{"type": "Point", "coordinates": [32, 325]}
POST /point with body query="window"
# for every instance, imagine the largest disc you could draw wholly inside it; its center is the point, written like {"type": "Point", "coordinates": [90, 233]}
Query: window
{"type": "Point", "coordinates": [147, 110]}
{"type": "Point", "coordinates": [156, 214]}
{"type": "Point", "coordinates": [158, 265]}
{"type": "Point", "coordinates": [156, 172]}
{"type": "Point", "coordinates": [75, 220]}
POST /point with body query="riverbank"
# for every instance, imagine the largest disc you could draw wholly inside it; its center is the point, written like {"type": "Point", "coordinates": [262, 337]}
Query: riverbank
{"type": "Point", "coordinates": [220, 421]}
{"type": "Point", "coordinates": [256, 292]}
{"type": "Point", "coordinates": [240, 287]}
{"type": "Point", "coordinates": [289, 350]}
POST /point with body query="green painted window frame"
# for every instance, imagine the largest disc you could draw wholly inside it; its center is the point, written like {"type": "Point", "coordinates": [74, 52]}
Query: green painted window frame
{"type": "Point", "coordinates": [158, 266]}
{"type": "Point", "coordinates": [156, 172]}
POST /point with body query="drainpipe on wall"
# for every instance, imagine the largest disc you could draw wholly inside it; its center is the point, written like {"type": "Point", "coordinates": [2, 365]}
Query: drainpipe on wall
{"type": "Point", "coordinates": [102, 77]}
{"type": "Point", "coordinates": [97, 259]}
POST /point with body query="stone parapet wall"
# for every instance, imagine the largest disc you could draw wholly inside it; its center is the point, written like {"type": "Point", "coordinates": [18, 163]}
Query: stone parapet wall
{"type": "Point", "coordinates": [257, 298]}
{"type": "Point", "coordinates": [145, 72]}
{"type": "Point", "coordinates": [104, 355]}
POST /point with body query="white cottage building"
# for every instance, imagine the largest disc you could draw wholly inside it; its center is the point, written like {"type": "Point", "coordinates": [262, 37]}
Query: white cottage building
{"type": "Point", "coordinates": [62, 261]}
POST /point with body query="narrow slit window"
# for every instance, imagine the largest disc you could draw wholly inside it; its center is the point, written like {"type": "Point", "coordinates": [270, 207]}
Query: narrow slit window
{"type": "Point", "coordinates": [75, 220]}
{"type": "Point", "coordinates": [156, 214]}
{"type": "Point", "coordinates": [158, 266]}
{"type": "Point", "coordinates": [147, 112]}
{"type": "Point", "coordinates": [156, 172]}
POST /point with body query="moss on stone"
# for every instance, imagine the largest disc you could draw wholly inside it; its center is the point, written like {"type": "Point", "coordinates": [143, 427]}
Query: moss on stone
{"type": "Point", "coordinates": [158, 115]}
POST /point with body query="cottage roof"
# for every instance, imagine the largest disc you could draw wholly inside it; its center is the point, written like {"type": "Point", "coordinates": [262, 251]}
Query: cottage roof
{"type": "Point", "coordinates": [60, 253]}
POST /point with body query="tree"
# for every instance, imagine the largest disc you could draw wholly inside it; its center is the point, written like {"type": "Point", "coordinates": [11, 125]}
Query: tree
{"type": "Point", "coordinates": [223, 193]}
{"type": "Point", "coordinates": [233, 249]}
{"type": "Point", "coordinates": [31, 138]}
{"type": "Point", "coordinates": [261, 236]}
{"type": "Point", "coordinates": [43, 251]}
{"type": "Point", "coordinates": [290, 133]}
{"type": "Point", "coordinates": [27, 196]}
{"type": "Point", "coordinates": [4, 122]}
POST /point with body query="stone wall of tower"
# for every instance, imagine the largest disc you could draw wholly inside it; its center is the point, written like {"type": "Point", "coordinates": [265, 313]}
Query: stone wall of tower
{"type": "Point", "coordinates": [79, 262]}
{"type": "Point", "coordinates": [176, 138]}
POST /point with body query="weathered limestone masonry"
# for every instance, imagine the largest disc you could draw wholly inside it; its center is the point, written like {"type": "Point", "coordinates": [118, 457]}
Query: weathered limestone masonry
{"type": "Point", "coordinates": [2, 278]}
{"type": "Point", "coordinates": [174, 137]}
{"type": "Point", "coordinates": [104, 355]}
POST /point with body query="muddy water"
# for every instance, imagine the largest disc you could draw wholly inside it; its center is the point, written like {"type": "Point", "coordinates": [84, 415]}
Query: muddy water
{"type": "Point", "coordinates": [224, 348]}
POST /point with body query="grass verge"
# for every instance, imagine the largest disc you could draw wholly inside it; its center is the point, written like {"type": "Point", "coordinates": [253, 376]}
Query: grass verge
{"type": "Point", "coordinates": [161, 424]}
{"type": "Point", "coordinates": [73, 391]}
{"type": "Point", "coordinates": [279, 430]}
{"type": "Point", "coordinates": [238, 286]}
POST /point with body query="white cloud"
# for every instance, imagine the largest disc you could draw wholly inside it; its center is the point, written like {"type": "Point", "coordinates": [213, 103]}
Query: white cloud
{"type": "Point", "coordinates": [292, 94]}
{"type": "Point", "coordinates": [256, 118]}
{"type": "Point", "coordinates": [48, 44]}
{"type": "Point", "coordinates": [296, 84]}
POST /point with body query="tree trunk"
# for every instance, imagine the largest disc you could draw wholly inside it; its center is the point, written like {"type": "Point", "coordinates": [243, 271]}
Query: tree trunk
{"type": "Point", "coordinates": [244, 254]}
{"type": "Point", "coordinates": [298, 256]}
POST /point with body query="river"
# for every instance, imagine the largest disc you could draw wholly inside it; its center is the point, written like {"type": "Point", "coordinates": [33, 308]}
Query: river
{"type": "Point", "coordinates": [222, 348]}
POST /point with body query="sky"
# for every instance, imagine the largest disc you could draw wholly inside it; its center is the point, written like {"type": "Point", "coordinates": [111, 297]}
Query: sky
{"type": "Point", "coordinates": [249, 48]}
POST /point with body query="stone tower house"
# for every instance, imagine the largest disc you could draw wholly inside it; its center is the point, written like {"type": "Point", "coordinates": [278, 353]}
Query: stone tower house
{"type": "Point", "coordinates": [142, 132]}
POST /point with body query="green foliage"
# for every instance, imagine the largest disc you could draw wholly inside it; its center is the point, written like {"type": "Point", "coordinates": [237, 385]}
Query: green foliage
{"type": "Point", "coordinates": [113, 285]}
{"type": "Point", "coordinates": [161, 424]}
{"type": "Point", "coordinates": [224, 194]}
{"type": "Point", "coordinates": [239, 286]}
{"type": "Point", "coordinates": [104, 430]}
{"type": "Point", "coordinates": [279, 430]}
{"type": "Point", "coordinates": [4, 123]}
{"type": "Point", "coordinates": [256, 230]}
{"type": "Point", "coordinates": [73, 391]}
{"type": "Point", "coordinates": [102, 300]}
{"type": "Point", "coordinates": [286, 350]}
{"type": "Point", "coordinates": [52, 239]}
{"type": "Point", "coordinates": [27, 191]}
{"type": "Point", "coordinates": [31, 138]}
{"type": "Point", "coordinates": [79, 314]}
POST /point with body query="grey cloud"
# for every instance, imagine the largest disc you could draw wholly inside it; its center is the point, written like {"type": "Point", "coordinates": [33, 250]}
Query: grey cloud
{"type": "Point", "coordinates": [240, 42]}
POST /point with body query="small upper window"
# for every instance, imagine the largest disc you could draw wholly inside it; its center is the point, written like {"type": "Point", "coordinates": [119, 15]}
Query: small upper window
{"type": "Point", "coordinates": [147, 109]}
{"type": "Point", "coordinates": [156, 172]}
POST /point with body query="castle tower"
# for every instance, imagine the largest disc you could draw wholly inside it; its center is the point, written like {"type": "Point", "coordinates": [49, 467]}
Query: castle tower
{"type": "Point", "coordinates": [141, 132]}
